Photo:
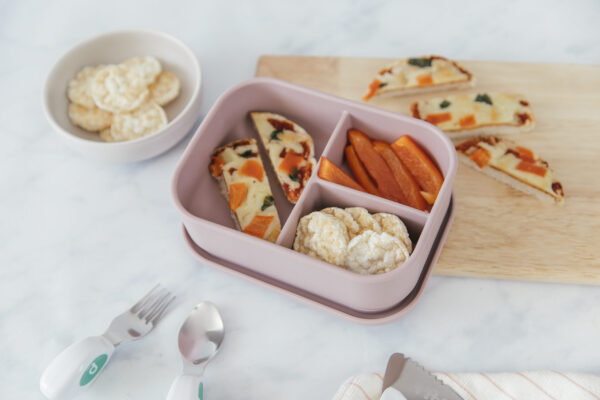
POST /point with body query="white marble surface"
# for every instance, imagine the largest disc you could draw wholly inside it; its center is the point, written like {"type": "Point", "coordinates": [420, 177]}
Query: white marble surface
{"type": "Point", "coordinates": [80, 241]}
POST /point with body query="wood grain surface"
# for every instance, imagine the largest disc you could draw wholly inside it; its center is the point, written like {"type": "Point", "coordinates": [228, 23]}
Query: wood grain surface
{"type": "Point", "coordinates": [498, 231]}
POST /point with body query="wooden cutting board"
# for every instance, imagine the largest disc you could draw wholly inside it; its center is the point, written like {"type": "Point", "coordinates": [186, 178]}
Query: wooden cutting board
{"type": "Point", "coordinates": [499, 232]}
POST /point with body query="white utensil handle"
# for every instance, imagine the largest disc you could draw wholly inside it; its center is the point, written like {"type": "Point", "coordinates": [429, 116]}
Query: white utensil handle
{"type": "Point", "coordinates": [187, 387]}
{"type": "Point", "coordinates": [76, 367]}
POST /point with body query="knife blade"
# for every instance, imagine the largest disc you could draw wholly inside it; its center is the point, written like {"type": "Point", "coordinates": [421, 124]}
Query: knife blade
{"type": "Point", "coordinates": [414, 381]}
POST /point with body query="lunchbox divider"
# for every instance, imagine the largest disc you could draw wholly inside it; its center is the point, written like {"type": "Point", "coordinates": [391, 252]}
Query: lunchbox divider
{"type": "Point", "coordinates": [334, 150]}
{"type": "Point", "coordinates": [344, 121]}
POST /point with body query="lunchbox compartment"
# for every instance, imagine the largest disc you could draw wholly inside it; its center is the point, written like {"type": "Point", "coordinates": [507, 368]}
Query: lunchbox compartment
{"type": "Point", "coordinates": [198, 190]}
{"type": "Point", "coordinates": [378, 129]}
{"type": "Point", "coordinates": [323, 194]}
{"type": "Point", "coordinates": [208, 221]}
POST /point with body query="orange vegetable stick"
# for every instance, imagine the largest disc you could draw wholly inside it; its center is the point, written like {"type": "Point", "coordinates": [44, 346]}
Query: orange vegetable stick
{"type": "Point", "coordinates": [252, 168]}
{"type": "Point", "coordinates": [375, 165]}
{"type": "Point", "coordinates": [373, 86]}
{"type": "Point", "coordinates": [332, 173]}
{"type": "Point", "coordinates": [290, 162]}
{"type": "Point", "coordinates": [259, 225]}
{"type": "Point", "coordinates": [407, 183]}
{"type": "Point", "coordinates": [420, 166]}
{"type": "Point", "coordinates": [429, 198]}
{"type": "Point", "coordinates": [237, 194]}
{"type": "Point", "coordinates": [360, 173]}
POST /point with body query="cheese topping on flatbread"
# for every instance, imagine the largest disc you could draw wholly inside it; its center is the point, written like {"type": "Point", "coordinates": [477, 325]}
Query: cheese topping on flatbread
{"type": "Point", "coordinates": [247, 188]}
{"type": "Point", "coordinates": [417, 73]}
{"type": "Point", "coordinates": [470, 111]}
{"type": "Point", "coordinates": [290, 149]}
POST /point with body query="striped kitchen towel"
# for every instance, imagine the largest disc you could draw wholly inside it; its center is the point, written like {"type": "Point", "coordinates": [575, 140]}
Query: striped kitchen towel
{"type": "Point", "coordinates": [542, 385]}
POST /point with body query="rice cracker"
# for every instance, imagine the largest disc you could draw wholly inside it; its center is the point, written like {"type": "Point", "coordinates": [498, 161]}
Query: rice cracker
{"type": "Point", "coordinates": [148, 67]}
{"type": "Point", "coordinates": [79, 90]}
{"type": "Point", "coordinates": [91, 119]}
{"type": "Point", "coordinates": [150, 117]}
{"type": "Point", "coordinates": [165, 88]}
{"type": "Point", "coordinates": [118, 88]}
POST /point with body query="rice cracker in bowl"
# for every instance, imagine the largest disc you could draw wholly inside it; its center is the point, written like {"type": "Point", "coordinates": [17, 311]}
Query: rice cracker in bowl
{"type": "Point", "coordinates": [165, 88]}
{"type": "Point", "coordinates": [148, 67]}
{"type": "Point", "coordinates": [118, 88]}
{"type": "Point", "coordinates": [149, 118]}
{"type": "Point", "coordinates": [91, 119]}
{"type": "Point", "coordinates": [79, 90]}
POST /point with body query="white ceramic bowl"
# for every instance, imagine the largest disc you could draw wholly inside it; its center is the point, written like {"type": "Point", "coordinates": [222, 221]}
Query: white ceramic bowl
{"type": "Point", "coordinates": [114, 47]}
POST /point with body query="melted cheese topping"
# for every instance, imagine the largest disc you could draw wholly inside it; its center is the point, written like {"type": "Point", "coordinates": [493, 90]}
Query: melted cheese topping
{"type": "Point", "coordinates": [402, 75]}
{"type": "Point", "coordinates": [504, 110]}
{"type": "Point", "coordinates": [503, 158]}
{"type": "Point", "coordinates": [257, 190]}
{"type": "Point", "coordinates": [288, 140]}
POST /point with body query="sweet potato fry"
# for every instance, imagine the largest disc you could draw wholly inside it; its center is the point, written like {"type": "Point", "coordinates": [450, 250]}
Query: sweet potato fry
{"type": "Point", "coordinates": [375, 165]}
{"type": "Point", "coordinates": [419, 164]}
{"type": "Point", "coordinates": [332, 173]}
{"type": "Point", "coordinates": [359, 171]}
{"type": "Point", "coordinates": [405, 180]}
{"type": "Point", "coordinates": [429, 198]}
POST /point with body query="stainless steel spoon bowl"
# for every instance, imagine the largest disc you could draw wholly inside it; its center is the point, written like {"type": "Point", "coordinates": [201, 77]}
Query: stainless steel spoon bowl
{"type": "Point", "coordinates": [200, 338]}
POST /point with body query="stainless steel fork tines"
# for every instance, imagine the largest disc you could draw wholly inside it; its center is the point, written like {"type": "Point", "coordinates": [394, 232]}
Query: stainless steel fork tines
{"type": "Point", "coordinates": [141, 318]}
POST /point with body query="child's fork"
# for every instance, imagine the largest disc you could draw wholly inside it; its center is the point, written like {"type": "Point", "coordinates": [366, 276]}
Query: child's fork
{"type": "Point", "coordinates": [79, 364]}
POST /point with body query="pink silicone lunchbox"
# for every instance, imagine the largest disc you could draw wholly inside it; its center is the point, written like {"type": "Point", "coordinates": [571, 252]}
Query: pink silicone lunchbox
{"type": "Point", "coordinates": [327, 118]}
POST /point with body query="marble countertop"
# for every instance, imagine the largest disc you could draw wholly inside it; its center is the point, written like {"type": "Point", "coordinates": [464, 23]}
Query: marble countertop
{"type": "Point", "coordinates": [81, 240]}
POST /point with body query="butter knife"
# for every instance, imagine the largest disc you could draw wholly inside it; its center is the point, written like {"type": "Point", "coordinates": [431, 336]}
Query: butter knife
{"type": "Point", "coordinates": [414, 382]}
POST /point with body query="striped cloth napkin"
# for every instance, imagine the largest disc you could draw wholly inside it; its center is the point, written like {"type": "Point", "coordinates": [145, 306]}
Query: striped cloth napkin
{"type": "Point", "coordinates": [543, 385]}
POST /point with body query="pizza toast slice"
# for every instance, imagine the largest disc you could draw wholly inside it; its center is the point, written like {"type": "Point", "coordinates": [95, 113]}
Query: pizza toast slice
{"type": "Point", "coordinates": [468, 115]}
{"type": "Point", "coordinates": [517, 166]}
{"type": "Point", "coordinates": [419, 75]}
{"type": "Point", "coordinates": [290, 149]}
{"type": "Point", "coordinates": [239, 170]}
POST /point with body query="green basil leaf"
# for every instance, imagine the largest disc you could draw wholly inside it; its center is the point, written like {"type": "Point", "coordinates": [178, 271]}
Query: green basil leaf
{"type": "Point", "coordinates": [382, 84]}
{"type": "Point", "coordinates": [294, 175]}
{"type": "Point", "coordinates": [420, 62]}
{"type": "Point", "coordinates": [275, 134]}
{"type": "Point", "coordinates": [483, 98]}
{"type": "Point", "coordinates": [444, 104]}
{"type": "Point", "coordinates": [246, 154]}
{"type": "Point", "coordinates": [267, 202]}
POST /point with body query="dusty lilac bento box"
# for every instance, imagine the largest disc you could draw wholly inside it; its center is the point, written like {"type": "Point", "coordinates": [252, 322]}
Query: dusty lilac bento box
{"type": "Point", "coordinates": [327, 118]}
